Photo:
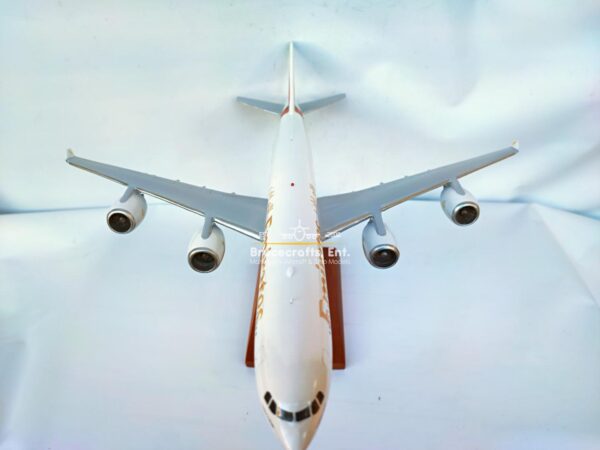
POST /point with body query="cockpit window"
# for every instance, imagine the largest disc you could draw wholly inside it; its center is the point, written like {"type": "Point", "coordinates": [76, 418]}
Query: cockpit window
{"type": "Point", "coordinates": [273, 407]}
{"type": "Point", "coordinates": [314, 406]}
{"type": "Point", "coordinates": [320, 397]}
{"type": "Point", "coordinates": [267, 397]}
{"type": "Point", "coordinates": [298, 416]}
{"type": "Point", "coordinates": [304, 414]}
{"type": "Point", "coordinates": [285, 415]}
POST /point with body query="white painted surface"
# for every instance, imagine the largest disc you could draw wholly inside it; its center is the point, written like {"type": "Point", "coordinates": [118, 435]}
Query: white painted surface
{"type": "Point", "coordinates": [292, 348]}
{"type": "Point", "coordinates": [480, 337]}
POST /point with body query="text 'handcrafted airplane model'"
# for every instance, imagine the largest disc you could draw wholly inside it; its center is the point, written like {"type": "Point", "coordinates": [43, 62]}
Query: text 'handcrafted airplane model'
{"type": "Point", "coordinates": [292, 342]}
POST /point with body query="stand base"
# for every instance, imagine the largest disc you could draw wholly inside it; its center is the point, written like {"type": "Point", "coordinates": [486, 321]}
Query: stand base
{"type": "Point", "coordinates": [334, 289]}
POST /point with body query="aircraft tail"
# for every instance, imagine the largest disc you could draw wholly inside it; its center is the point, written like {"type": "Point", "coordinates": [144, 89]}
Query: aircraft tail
{"type": "Point", "coordinates": [319, 103]}
{"type": "Point", "coordinates": [270, 107]}
{"type": "Point", "coordinates": [292, 105]}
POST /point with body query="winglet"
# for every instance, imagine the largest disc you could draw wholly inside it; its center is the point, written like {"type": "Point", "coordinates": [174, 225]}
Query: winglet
{"type": "Point", "coordinates": [70, 154]}
{"type": "Point", "coordinates": [515, 144]}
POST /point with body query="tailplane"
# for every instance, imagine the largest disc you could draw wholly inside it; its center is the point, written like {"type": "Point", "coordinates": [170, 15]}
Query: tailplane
{"type": "Point", "coordinates": [319, 103]}
{"type": "Point", "coordinates": [292, 105]}
{"type": "Point", "coordinates": [270, 107]}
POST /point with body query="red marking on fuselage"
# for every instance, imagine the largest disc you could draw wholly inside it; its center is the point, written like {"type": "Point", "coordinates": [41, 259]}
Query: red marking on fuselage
{"type": "Point", "coordinates": [286, 110]}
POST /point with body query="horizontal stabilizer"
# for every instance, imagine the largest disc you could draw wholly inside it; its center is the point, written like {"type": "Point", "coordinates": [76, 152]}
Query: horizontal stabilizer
{"type": "Point", "coordinates": [320, 103]}
{"type": "Point", "coordinates": [274, 108]}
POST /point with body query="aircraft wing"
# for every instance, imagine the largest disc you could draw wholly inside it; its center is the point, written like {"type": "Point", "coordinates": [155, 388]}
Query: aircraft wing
{"type": "Point", "coordinates": [240, 213]}
{"type": "Point", "coordinates": [340, 212]}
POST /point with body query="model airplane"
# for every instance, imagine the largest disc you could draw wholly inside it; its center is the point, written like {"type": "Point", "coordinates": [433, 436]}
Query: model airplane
{"type": "Point", "coordinates": [293, 354]}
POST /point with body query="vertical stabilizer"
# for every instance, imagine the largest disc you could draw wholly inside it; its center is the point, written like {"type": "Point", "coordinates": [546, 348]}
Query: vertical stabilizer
{"type": "Point", "coordinates": [291, 84]}
{"type": "Point", "coordinates": [292, 106]}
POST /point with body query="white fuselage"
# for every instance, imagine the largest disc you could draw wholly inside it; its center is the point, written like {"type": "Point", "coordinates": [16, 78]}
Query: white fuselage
{"type": "Point", "coordinates": [293, 329]}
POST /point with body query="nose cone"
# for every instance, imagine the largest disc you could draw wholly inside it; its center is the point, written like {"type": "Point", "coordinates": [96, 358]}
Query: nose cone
{"type": "Point", "coordinates": [296, 436]}
{"type": "Point", "coordinates": [296, 430]}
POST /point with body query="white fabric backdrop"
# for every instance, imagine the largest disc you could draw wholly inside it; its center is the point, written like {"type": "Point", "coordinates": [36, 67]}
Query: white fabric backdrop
{"type": "Point", "coordinates": [150, 85]}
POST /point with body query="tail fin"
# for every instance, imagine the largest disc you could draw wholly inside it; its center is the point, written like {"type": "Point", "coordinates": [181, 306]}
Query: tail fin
{"type": "Point", "coordinates": [277, 108]}
{"type": "Point", "coordinates": [305, 107]}
{"type": "Point", "coordinates": [301, 108]}
{"type": "Point", "coordinates": [291, 83]}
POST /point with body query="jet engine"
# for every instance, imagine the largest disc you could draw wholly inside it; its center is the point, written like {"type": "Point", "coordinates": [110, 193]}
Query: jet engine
{"type": "Point", "coordinates": [459, 205]}
{"type": "Point", "coordinates": [380, 250]}
{"type": "Point", "coordinates": [127, 212]}
{"type": "Point", "coordinates": [205, 254]}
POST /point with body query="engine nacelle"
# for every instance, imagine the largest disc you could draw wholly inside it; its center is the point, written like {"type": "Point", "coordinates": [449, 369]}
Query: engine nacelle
{"type": "Point", "coordinates": [380, 251]}
{"type": "Point", "coordinates": [127, 212]}
{"type": "Point", "coordinates": [205, 254]}
{"type": "Point", "coordinates": [461, 208]}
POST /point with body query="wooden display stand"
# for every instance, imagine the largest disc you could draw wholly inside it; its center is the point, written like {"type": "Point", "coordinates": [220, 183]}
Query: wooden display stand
{"type": "Point", "coordinates": [334, 289]}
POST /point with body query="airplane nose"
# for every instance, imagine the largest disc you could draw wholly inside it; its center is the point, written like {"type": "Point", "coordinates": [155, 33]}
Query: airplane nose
{"type": "Point", "coordinates": [296, 437]}
{"type": "Point", "coordinates": [295, 426]}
